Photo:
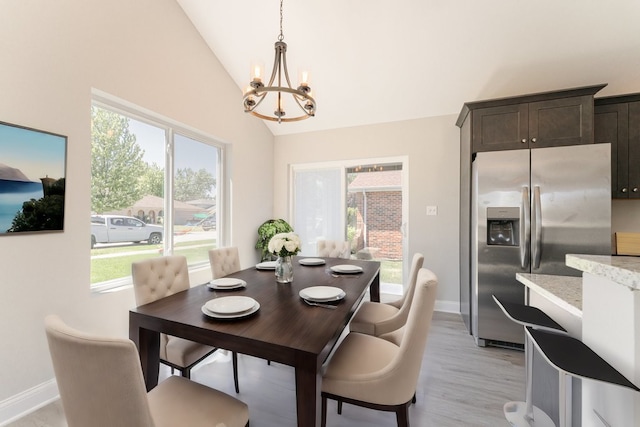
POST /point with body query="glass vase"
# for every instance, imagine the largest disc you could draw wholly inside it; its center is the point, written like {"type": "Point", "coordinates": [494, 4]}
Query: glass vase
{"type": "Point", "coordinates": [284, 270]}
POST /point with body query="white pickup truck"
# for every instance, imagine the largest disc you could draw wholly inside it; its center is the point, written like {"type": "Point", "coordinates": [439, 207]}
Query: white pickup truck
{"type": "Point", "coordinates": [118, 228]}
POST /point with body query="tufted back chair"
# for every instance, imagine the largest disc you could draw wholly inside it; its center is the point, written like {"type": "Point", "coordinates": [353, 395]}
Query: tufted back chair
{"type": "Point", "coordinates": [334, 249]}
{"type": "Point", "coordinates": [386, 378]}
{"type": "Point", "coordinates": [101, 385]}
{"type": "Point", "coordinates": [157, 278]}
{"type": "Point", "coordinates": [224, 261]}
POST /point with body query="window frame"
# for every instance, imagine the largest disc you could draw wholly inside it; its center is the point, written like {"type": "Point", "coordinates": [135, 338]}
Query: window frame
{"type": "Point", "coordinates": [171, 128]}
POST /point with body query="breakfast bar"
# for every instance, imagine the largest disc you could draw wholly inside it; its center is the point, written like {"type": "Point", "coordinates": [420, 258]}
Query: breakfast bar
{"type": "Point", "coordinates": [602, 309]}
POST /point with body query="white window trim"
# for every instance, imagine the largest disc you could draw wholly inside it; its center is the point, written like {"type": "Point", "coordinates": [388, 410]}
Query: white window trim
{"type": "Point", "coordinates": [107, 101]}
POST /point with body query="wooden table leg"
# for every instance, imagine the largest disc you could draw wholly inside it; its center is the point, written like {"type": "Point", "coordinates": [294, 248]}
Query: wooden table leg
{"type": "Point", "coordinates": [374, 289]}
{"type": "Point", "coordinates": [308, 383]}
{"type": "Point", "coordinates": [148, 344]}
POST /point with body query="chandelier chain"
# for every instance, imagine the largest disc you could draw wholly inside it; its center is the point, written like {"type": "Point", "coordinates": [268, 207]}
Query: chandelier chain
{"type": "Point", "coordinates": [281, 36]}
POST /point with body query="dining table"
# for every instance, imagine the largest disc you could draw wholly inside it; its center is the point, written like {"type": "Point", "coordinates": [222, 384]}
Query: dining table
{"type": "Point", "coordinates": [284, 329]}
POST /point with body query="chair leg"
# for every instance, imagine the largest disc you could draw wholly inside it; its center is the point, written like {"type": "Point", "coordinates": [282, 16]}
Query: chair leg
{"type": "Point", "coordinates": [186, 372]}
{"type": "Point", "coordinates": [402, 415]}
{"type": "Point", "coordinates": [234, 358]}
{"type": "Point", "coordinates": [339, 407]}
{"type": "Point", "coordinates": [323, 420]}
{"type": "Point", "coordinates": [414, 398]}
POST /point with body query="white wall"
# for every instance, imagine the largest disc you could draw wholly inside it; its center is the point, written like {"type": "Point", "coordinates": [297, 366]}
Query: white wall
{"type": "Point", "coordinates": [146, 52]}
{"type": "Point", "coordinates": [432, 147]}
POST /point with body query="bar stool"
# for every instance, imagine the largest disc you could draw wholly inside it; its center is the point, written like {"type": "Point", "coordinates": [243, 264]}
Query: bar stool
{"type": "Point", "coordinates": [520, 413]}
{"type": "Point", "coordinates": [572, 357]}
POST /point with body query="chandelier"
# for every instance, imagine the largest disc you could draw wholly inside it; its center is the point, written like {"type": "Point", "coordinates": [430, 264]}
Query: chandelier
{"type": "Point", "coordinates": [279, 85]}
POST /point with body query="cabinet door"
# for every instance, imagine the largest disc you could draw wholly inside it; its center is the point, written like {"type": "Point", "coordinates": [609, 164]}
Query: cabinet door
{"type": "Point", "coordinates": [611, 125]}
{"type": "Point", "coordinates": [563, 121]}
{"type": "Point", "coordinates": [500, 128]}
{"type": "Point", "coordinates": [634, 150]}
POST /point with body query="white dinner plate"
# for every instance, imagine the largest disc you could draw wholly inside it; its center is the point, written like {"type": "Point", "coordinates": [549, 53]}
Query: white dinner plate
{"type": "Point", "coordinates": [322, 293]}
{"type": "Point", "coordinates": [266, 265]}
{"type": "Point", "coordinates": [346, 268]}
{"type": "Point", "coordinates": [249, 312]}
{"type": "Point", "coordinates": [227, 283]}
{"type": "Point", "coordinates": [311, 261]}
{"type": "Point", "coordinates": [230, 305]}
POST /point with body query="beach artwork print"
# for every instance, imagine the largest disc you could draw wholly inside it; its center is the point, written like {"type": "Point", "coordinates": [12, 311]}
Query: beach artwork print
{"type": "Point", "coordinates": [32, 180]}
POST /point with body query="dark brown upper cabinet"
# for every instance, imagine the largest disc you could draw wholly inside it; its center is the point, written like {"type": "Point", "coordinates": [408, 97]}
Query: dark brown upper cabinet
{"type": "Point", "coordinates": [548, 119]}
{"type": "Point", "coordinates": [617, 121]}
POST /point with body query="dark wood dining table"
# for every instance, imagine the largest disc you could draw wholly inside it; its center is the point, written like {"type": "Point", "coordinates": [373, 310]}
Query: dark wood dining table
{"type": "Point", "coordinates": [284, 329]}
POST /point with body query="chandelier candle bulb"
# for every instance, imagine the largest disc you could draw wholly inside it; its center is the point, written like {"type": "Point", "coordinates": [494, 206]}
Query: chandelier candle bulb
{"type": "Point", "coordinates": [256, 73]}
{"type": "Point", "coordinates": [304, 78]}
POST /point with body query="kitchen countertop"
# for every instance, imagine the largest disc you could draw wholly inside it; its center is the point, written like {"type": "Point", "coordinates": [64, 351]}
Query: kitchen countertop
{"type": "Point", "coordinates": [564, 291]}
{"type": "Point", "coordinates": [624, 270]}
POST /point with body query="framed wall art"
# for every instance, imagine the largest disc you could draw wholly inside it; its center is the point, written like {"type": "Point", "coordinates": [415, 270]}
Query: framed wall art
{"type": "Point", "coordinates": [32, 180]}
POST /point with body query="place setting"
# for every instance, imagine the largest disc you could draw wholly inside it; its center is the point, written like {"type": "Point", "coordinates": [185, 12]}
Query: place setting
{"type": "Point", "coordinates": [311, 261]}
{"type": "Point", "coordinates": [266, 265]}
{"type": "Point", "coordinates": [322, 296]}
{"type": "Point", "coordinates": [226, 284]}
{"type": "Point", "coordinates": [232, 307]}
{"type": "Point", "coordinates": [345, 270]}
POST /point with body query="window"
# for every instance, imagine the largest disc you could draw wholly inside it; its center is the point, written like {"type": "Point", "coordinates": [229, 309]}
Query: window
{"type": "Point", "coordinates": [154, 191]}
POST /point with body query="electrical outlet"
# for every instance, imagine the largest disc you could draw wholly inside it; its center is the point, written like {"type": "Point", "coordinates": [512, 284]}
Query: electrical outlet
{"type": "Point", "coordinates": [432, 210]}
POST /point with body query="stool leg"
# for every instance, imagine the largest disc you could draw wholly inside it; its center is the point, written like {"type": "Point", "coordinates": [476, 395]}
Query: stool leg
{"type": "Point", "coordinates": [524, 414]}
{"type": "Point", "coordinates": [528, 397]}
{"type": "Point", "coordinates": [565, 396]}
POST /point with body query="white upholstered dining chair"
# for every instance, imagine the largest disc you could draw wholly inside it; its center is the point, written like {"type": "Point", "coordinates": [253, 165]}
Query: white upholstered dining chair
{"type": "Point", "coordinates": [160, 277]}
{"type": "Point", "coordinates": [334, 249]}
{"type": "Point", "coordinates": [386, 378]}
{"type": "Point", "coordinates": [101, 385]}
{"type": "Point", "coordinates": [375, 318]}
{"type": "Point", "coordinates": [224, 261]}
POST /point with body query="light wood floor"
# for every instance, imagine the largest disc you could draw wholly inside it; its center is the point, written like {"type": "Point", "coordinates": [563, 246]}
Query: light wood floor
{"type": "Point", "coordinates": [460, 385]}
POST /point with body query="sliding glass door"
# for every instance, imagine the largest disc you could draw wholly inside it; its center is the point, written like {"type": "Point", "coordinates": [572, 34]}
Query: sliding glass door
{"type": "Point", "coordinates": [363, 203]}
{"type": "Point", "coordinates": [319, 200]}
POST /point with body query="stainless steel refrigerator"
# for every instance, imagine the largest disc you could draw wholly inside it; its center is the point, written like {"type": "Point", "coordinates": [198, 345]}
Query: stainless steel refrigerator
{"type": "Point", "coordinates": [529, 208]}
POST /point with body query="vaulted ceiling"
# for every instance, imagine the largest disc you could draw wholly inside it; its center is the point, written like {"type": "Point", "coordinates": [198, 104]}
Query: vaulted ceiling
{"type": "Point", "coordinates": [375, 61]}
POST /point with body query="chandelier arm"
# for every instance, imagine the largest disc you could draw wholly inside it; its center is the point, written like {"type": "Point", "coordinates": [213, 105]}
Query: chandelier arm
{"type": "Point", "coordinates": [298, 101]}
{"type": "Point", "coordinates": [286, 71]}
{"type": "Point", "coordinates": [276, 66]}
{"type": "Point", "coordinates": [260, 96]}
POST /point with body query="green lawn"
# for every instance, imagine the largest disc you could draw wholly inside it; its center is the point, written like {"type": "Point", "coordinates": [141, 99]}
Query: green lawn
{"type": "Point", "coordinates": [114, 267]}
{"type": "Point", "coordinates": [390, 271]}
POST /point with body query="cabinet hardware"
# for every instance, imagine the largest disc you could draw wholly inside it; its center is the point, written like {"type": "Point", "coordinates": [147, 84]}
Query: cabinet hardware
{"type": "Point", "coordinates": [533, 140]}
{"type": "Point", "coordinates": [624, 190]}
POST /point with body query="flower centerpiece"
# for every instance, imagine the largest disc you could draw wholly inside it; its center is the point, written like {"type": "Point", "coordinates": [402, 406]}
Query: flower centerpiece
{"type": "Point", "coordinates": [284, 246]}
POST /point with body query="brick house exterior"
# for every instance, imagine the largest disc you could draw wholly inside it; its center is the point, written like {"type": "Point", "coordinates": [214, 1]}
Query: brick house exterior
{"type": "Point", "coordinates": [377, 197]}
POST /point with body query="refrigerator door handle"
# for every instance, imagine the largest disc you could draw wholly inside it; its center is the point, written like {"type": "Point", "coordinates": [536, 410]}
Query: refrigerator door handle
{"type": "Point", "coordinates": [537, 211]}
{"type": "Point", "coordinates": [525, 229]}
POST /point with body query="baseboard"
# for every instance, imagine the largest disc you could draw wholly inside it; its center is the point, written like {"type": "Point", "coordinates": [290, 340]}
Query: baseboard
{"type": "Point", "coordinates": [21, 404]}
{"type": "Point", "coordinates": [448, 306]}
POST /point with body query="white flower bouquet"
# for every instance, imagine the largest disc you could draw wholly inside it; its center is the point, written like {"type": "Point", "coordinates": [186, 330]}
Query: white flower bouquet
{"type": "Point", "coordinates": [284, 244]}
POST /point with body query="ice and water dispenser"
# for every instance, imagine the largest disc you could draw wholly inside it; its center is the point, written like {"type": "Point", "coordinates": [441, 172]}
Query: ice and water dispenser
{"type": "Point", "coordinates": [503, 226]}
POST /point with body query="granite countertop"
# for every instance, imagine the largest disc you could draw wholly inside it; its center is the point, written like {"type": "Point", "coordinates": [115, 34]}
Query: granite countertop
{"type": "Point", "coordinates": [624, 270]}
{"type": "Point", "coordinates": [564, 291]}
